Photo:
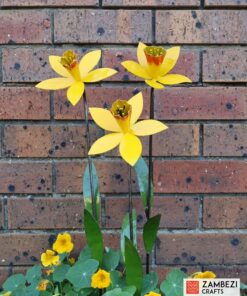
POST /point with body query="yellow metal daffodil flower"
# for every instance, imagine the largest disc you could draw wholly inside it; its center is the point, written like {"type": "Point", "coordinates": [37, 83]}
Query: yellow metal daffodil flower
{"type": "Point", "coordinates": [154, 64]}
{"type": "Point", "coordinates": [75, 74]}
{"type": "Point", "coordinates": [121, 120]}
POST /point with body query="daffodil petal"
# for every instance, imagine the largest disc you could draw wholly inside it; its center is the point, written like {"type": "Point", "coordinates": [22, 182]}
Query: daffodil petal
{"type": "Point", "coordinates": [130, 148]}
{"type": "Point", "coordinates": [75, 92]}
{"type": "Point", "coordinates": [136, 69]}
{"type": "Point", "coordinates": [148, 127]}
{"type": "Point", "coordinates": [105, 143]}
{"type": "Point", "coordinates": [58, 67]}
{"type": "Point", "coordinates": [141, 55]}
{"type": "Point", "coordinates": [136, 103]}
{"type": "Point", "coordinates": [171, 79]}
{"type": "Point", "coordinates": [99, 74]}
{"type": "Point", "coordinates": [104, 119]}
{"type": "Point", "coordinates": [89, 61]}
{"type": "Point", "coordinates": [154, 84]}
{"type": "Point", "coordinates": [55, 83]}
{"type": "Point", "coordinates": [170, 59]}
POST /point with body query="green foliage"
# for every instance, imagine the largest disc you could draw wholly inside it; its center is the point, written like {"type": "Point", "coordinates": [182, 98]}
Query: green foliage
{"type": "Point", "coordinates": [141, 169]}
{"type": "Point", "coordinates": [173, 285]}
{"type": "Point", "coordinates": [87, 190]}
{"type": "Point", "coordinates": [150, 282]}
{"type": "Point", "coordinates": [125, 231]}
{"type": "Point", "coordinates": [94, 236]}
{"type": "Point", "coordinates": [150, 232]}
{"type": "Point", "coordinates": [111, 260]}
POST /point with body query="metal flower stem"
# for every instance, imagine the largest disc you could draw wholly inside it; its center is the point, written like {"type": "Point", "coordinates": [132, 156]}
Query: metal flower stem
{"type": "Point", "coordinates": [130, 206]}
{"type": "Point", "coordinates": [88, 144]}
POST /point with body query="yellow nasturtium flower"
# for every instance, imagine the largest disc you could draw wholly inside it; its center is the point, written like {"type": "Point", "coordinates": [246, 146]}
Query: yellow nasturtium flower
{"type": "Point", "coordinates": [154, 64]}
{"type": "Point", "coordinates": [152, 294]}
{"type": "Point", "coordinates": [204, 275]}
{"type": "Point", "coordinates": [49, 258]}
{"type": "Point", "coordinates": [63, 244]}
{"type": "Point", "coordinates": [101, 279]}
{"type": "Point", "coordinates": [75, 74]}
{"type": "Point", "coordinates": [121, 120]}
{"type": "Point", "coordinates": [42, 285]}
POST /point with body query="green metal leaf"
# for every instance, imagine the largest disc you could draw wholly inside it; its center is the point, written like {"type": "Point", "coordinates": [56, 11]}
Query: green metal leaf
{"type": "Point", "coordinates": [111, 260]}
{"type": "Point", "coordinates": [134, 271]}
{"type": "Point", "coordinates": [87, 190]}
{"type": "Point", "coordinates": [94, 236]}
{"type": "Point", "coordinates": [33, 273]}
{"type": "Point", "coordinates": [125, 231]}
{"type": "Point", "coordinates": [173, 284]}
{"type": "Point", "coordinates": [141, 169]}
{"type": "Point", "coordinates": [60, 273]}
{"type": "Point", "coordinates": [150, 282]}
{"type": "Point", "coordinates": [150, 232]}
{"type": "Point", "coordinates": [14, 281]}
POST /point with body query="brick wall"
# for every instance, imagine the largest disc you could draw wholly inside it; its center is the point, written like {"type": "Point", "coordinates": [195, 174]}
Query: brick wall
{"type": "Point", "coordinates": [200, 167]}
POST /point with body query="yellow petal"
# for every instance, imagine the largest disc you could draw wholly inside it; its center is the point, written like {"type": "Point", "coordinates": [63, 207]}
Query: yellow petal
{"type": "Point", "coordinates": [170, 59]}
{"type": "Point", "coordinates": [99, 74]}
{"type": "Point", "coordinates": [171, 79]}
{"type": "Point", "coordinates": [75, 92]}
{"type": "Point", "coordinates": [154, 84]}
{"type": "Point", "coordinates": [130, 148]}
{"type": "Point", "coordinates": [148, 127]}
{"type": "Point", "coordinates": [141, 55]}
{"type": "Point", "coordinates": [104, 119]}
{"type": "Point", "coordinates": [136, 69]}
{"type": "Point", "coordinates": [137, 105]}
{"type": "Point", "coordinates": [105, 143]}
{"type": "Point", "coordinates": [89, 61]}
{"type": "Point", "coordinates": [55, 83]}
{"type": "Point", "coordinates": [58, 67]}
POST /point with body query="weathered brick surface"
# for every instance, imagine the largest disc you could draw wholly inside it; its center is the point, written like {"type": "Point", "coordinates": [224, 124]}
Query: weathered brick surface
{"type": "Point", "coordinates": [45, 213]}
{"type": "Point", "coordinates": [187, 249]}
{"type": "Point", "coordinates": [194, 176]}
{"type": "Point", "coordinates": [184, 212]}
{"type": "Point", "coordinates": [151, 3]}
{"type": "Point", "coordinates": [226, 3]}
{"type": "Point", "coordinates": [230, 272]}
{"type": "Point", "coordinates": [1, 214]}
{"type": "Point", "coordinates": [208, 103]}
{"type": "Point", "coordinates": [102, 26]}
{"type": "Point", "coordinates": [224, 65]}
{"type": "Point", "coordinates": [41, 3]}
{"type": "Point", "coordinates": [225, 212]}
{"type": "Point", "coordinates": [212, 27]}
{"type": "Point", "coordinates": [25, 103]}
{"type": "Point", "coordinates": [225, 140]}
{"type": "Point", "coordinates": [16, 177]}
{"type": "Point", "coordinates": [188, 64]}
{"type": "Point", "coordinates": [28, 26]}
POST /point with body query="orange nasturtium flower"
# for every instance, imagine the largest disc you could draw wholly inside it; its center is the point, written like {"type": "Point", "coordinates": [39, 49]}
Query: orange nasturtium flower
{"type": "Point", "coordinates": [204, 275]}
{"type": "Point", "coordinates": [121, 120]}
{"type": "Point", "coordinates": [154, 64]}
{"type": "Point", "coordinates": [42, 285]}
{"type": "Point", "coordinates": [75, 74]}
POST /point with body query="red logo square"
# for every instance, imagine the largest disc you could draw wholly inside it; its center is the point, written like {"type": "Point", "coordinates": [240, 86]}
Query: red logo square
{"type": "Point", "coordinates": [192, 287]}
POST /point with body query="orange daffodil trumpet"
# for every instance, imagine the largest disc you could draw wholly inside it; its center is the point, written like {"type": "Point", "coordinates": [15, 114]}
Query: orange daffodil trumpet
{"type": "Point", "coordinates": [154, 65]}
{"type": "Point", "coordinates": [121, 121]}
{"type": "Point", "coordinates": [75, 74]}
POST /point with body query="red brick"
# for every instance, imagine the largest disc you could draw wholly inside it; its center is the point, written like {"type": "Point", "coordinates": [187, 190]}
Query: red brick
{"type": "Point", "coordinates": [188, 63]}
{"type": "Point", "coordinates": [97, 97]}
{"type": "Point", "coordinates": [47, 140]}
{"type": "Point", "coordinates": [193, 176]}
{"type": "Point", "coordinates": [25, 26]}
{"type": "Point", "coordinates": [184, 212]}
{"type": "Point", "coordinates": [226, 3]}
{"type": "Point", "coordinates": [225, 212]}
{"type": "Point", "coordinates": [102, 26]}
{"type": "Point", "coordinates": [183, 103]}
{"type": "Point", "coordinates": [164, 270]}
{"type": "Point", "coordinates": [225, 140]}
{"type": "Point", "coordinates": [26, 248]}
{"type": "Point", "coordinates": [24, 103]}
{"type": "Point", "coordinates": [1, 215]}
{"type": "Point", "coordinates": [207, 248]}
{"type": "Point", "coordinates": [224, 65]}
{"type": "Point", "coordinates": [201, 26]}
{"type": "Point", "coordinates": [112, 176]}
{"type": "Point", "coordinates": [16, 177]}
{"type": "Point", "coordinates": [45, 213]}
{"type": "Point", "coordinates": [151, 3]}
{"type": "Point", "coordinates": [44, 3]}
{"type": "Point", "coordinates": [229, 272]}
